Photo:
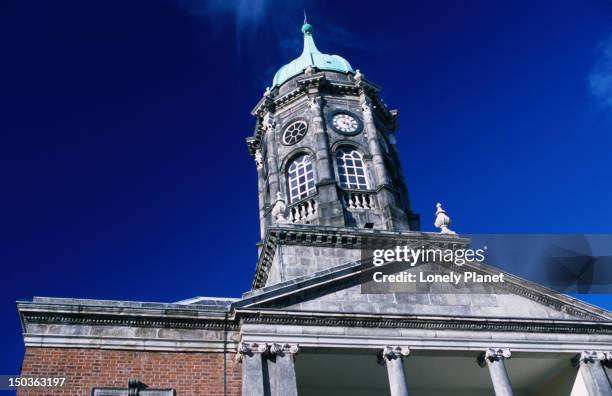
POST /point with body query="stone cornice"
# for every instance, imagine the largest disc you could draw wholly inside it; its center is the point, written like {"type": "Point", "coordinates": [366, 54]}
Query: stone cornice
{"type": "Point", "coordinates": [131, 321]}
{"type": "Point", "coordinates": [300, 318]}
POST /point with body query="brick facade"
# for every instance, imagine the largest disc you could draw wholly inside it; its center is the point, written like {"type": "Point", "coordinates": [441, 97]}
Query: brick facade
{"type": "Point", "coordinates": [190, 374]}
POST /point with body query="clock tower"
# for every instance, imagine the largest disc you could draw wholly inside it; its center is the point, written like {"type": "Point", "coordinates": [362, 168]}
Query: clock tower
{"type": "Point", "coordinates": [324, 146]}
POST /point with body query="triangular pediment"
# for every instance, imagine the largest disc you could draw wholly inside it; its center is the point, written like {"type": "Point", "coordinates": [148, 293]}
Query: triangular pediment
{"type": "Point", "coordinates": [340, 290]}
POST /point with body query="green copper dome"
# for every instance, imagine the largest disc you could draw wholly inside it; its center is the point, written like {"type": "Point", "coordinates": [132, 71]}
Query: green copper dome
{"type": "Point", "coordinates": [311, 56]}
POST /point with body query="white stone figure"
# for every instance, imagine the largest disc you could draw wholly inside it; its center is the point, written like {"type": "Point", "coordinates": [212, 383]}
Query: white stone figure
{"type": "Point", "coordinates": [268, 122]}
{"type": "Point", "coordinates": [443, 221]}
{"type": "Point", "coordinates": [365, 107]}
{"type": "Point", "coordinates": [268, 92]}
{"type": "Point", "coordinates": [309, 70]}
{"type": "Point", "coordinates": [280, 209]}
{"type": "Point", "coordinates": [358, 75]}
{"type": "Point", "coordinates": [258, 159]}
{"type": "Point", "coordinates": [315, 106]}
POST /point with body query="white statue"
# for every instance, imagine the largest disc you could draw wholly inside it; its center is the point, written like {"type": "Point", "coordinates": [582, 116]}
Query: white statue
{"type": "Point", "coordinates": [366, 108]}
{"type": "Point", "coordinates": [358, 75]}
{"type": "Point", "coordinates": [258, 159]}
{"type": "Point", "coordinates": [315, 105]}
{"type": "Point", "coordinates": [443, 221]}
{"type": "Point", "coordinates": [280, 209]}
{"type": "Point", "coordinates": [268, 122]}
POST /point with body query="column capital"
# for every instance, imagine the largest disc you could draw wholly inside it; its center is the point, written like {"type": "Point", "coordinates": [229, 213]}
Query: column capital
{"type": "Point", "coordinates": [249, 349]}
{"type": "Point", "coordinates": [281, 349]}
{"type": "Point", "coordinates": [493, 355]}
{"type": "Point", "coordinates": [592, 357]}
{"type": "Point", "coordinates": [389, 353]}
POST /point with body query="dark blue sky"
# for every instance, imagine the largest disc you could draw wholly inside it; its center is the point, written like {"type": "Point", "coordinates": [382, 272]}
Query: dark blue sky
{"type": "Point", "coordinates": [124, 169]}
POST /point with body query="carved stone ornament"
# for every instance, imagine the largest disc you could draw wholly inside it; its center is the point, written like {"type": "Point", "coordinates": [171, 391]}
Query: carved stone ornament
{"type": "Point", "coordinates": [268, 122]}
{"type": "Point", "coordinates": [278, 349]}
{"type": "Point", "coordinates": [258, 159]}
{"type": "Point", "coordinates": [366, 108]}
{"type": "Point", "coordinates": [493, 355]}
{"type": "Point", "coordinates": [248, 349]}
{"type": "Point", "coordinates": [358, 75]}
{"type": "Point", "coordinates": [279, 211]}
{"type": "Point", "coordinates": [315, 106]}
{"type": "Point", "coordinates": [391, 353]}
{"type": "Point", "coordinates": [443, 221]}
{"type": "Point", "coordinates": [592, 356]}
{"type": "Point", "coordinates": [309, 71]}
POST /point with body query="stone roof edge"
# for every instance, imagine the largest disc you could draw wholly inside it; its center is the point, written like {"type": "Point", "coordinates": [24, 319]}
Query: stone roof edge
{"type": "Point", "coordinates": [518, 285]}
{"type": "Point", "coordinates": [82, 311]}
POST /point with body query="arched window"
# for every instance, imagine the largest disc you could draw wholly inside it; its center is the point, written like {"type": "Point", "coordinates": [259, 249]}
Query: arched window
{"type": "Point", "coordinates": [301, 178]}
{"type": "Point", "coordinates": [351, 169]}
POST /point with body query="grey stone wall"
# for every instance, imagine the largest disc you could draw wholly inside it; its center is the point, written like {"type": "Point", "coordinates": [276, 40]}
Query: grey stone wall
{"type": "Point", "coordinates": [293, 261]}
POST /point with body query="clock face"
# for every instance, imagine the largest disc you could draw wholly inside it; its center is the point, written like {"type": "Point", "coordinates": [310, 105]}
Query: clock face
{"type": "Point", "coordinates": [345, 123]}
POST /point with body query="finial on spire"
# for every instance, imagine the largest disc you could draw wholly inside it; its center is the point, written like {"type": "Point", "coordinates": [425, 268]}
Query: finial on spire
{"type": "Point", "coordinates": [306, 27]}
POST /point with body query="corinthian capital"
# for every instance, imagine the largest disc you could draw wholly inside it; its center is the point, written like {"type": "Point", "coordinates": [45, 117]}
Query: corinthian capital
{"type": "Point", "coordinates": [494, 355]}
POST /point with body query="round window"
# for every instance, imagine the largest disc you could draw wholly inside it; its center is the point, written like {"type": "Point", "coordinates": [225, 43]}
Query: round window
{"type": "Point", "coordinates": [295, 132]}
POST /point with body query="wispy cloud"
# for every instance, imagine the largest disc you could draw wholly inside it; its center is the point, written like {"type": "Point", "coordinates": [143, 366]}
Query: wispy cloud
{"type": "Point", "coordinates": [245, 15]}
{"type": "Point", "coordinates": [600, 78]}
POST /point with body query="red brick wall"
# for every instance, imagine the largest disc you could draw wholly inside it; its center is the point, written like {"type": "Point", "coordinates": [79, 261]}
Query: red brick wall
{"type": "Point", "coordinates": [190, 374]}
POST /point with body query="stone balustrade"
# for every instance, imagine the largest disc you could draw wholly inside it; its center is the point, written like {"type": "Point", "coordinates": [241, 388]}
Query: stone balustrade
{"type": "Point", "coordinates": [359, 199]}
{"type": "Point", "coordinates": [303, 211]}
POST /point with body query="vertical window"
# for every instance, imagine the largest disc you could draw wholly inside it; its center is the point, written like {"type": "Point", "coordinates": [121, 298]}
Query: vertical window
{"type": "Point", "coordinates": [351, 169]}
{"type": "Point", "coordinates": [301, 178]}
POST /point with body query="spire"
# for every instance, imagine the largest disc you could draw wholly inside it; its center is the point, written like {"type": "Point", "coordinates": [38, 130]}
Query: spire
{"type": "Point", "coordinates": [310, 49]}
{"type": "Point", "coordinates": [310, 59]}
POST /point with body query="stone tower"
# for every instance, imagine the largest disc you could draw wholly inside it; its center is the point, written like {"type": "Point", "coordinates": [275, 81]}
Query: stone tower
{"type": "Point", "coordinates": [324, 146]}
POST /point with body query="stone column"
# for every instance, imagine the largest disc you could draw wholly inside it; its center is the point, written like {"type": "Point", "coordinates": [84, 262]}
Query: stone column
{"type": "Point", "coordinates": [321, 143]}
{"type": "Point", "coordinates": [270, 125]}
{"type": "Point", "coordinates": [494, 358]}
{"type": "Point", "coordinates": [330, 208]}
{"type": "Point", "coordinates": [252, 368]}
{"type": "Point", "coordinates": [593, 373]}
{"type": "Point", "coordinates": [259, 162]}
{"type": "Point", "coordinates": [380, 171]}
{"type": "Point", "coordinates": [393, 357]}
{"type": "Point", "coordinates": [282, 380]}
